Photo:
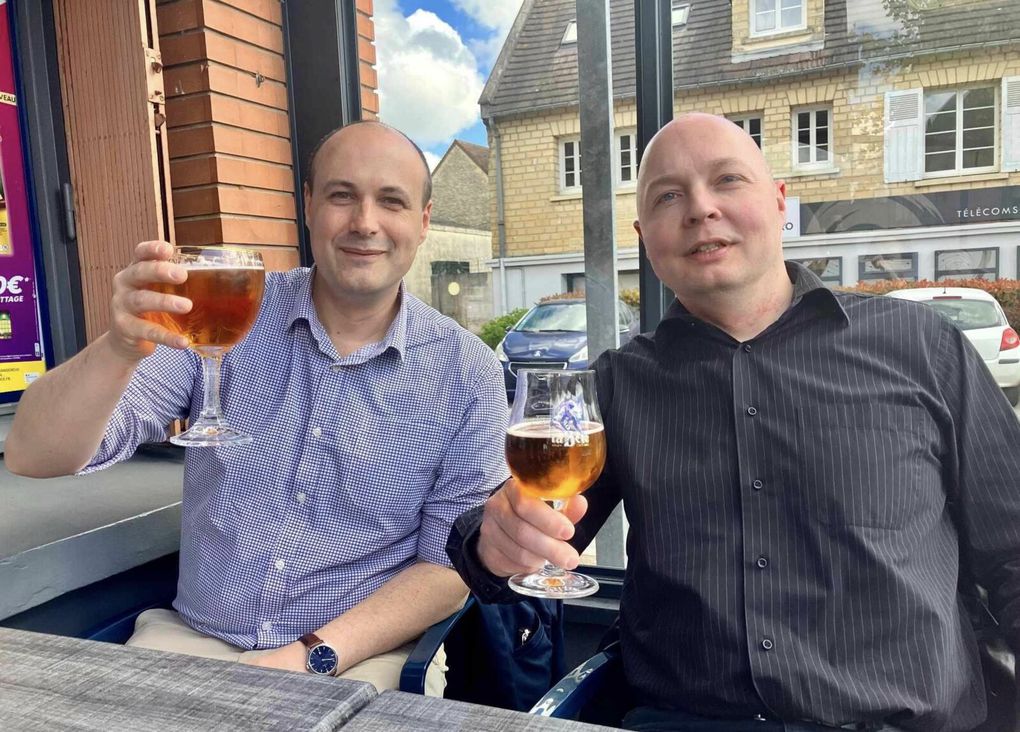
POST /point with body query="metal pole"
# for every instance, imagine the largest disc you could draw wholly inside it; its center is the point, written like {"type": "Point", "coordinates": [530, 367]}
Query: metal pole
{"type": "Point", "coordinates": [653, 53]}
{"type": "Point", "coordinates": [598, 200]}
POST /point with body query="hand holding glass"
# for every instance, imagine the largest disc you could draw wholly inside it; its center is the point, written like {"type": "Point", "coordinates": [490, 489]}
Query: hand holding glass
{"type": "Point", "coordinates": [555, 448]}
{"type": "Point", "coordinates": [225, 287]}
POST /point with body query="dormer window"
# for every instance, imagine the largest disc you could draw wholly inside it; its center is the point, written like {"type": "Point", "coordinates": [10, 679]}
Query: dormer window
{"type": "Point", "coordinates": [679, 11]}
{"type": "Point", "coordinates": [777, 16]}
{"type": "Point", "coordinates": [570, 34]}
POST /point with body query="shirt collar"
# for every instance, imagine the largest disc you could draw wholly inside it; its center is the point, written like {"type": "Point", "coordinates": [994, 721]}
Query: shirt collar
{"type": "Point", "coordinates": [806, 284]}
{"type": "Point", "coordinates": [303, 308]}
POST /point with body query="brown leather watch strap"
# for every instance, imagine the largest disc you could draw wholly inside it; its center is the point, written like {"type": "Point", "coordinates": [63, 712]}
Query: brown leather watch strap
{"type": "Point", "coordinates": [311, 640]}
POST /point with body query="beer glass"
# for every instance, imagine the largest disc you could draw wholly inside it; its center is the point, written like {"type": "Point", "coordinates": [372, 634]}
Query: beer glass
{"type": "Point", "coordinates": [555, 448]}
{"type": "Point", "coordinates": [225, 287]}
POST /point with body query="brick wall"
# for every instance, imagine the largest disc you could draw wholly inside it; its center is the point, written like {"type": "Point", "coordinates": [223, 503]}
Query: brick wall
{"type": "Point", "coordinates": [366, 56]}
{"type": "Point", "coordinates": [231, 160]}
{"type": "Point", "coordinates": [539, 220]}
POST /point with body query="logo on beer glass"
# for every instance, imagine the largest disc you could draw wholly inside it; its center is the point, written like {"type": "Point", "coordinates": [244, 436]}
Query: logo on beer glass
{"type": "Point", "coordinates": [568, 416]}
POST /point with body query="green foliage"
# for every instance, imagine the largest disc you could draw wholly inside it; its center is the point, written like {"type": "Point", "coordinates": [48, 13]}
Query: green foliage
{"type": "Point", "coordinates": [1007, 292]}
{"type": "Point", "coordinates": [494, 330]}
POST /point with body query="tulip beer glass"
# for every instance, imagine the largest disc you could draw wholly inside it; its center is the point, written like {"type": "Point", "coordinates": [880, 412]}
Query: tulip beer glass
{"type": "Point", "coordinates": [555, 448]}
{"type": "Point", "coordinates": [225, 287]}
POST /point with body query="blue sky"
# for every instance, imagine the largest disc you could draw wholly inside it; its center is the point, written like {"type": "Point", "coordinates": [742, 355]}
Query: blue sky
{"type": "Point", "coordinates": [433, 57]}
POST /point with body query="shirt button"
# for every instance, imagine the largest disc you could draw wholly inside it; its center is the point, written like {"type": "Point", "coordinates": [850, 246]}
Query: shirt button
{"type": "Point", "coordinates": [280, 564]}
{"type": "Point", "coordinates": [757, 485]}
{"type": "Point", "coordinates": [747, 347]}
{"type": "Point", "coordinates": [767, 644]}
{"type": "Point", "coordinates": [267, 625]}
{"type": "Point", "coordinates": [752, 411]}
{"type": "Point", "coordinates": [762, 562]}
{"type": "Point", "coordinates": [317, 431]}
{"type": "Point", "coordinates": [300, 497]}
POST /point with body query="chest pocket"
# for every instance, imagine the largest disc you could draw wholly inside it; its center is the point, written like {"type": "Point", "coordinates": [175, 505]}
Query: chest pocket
{"type": "Point", "coordinates": [867, 465]}
{"type": "Point", "coordinates": [397, 458]}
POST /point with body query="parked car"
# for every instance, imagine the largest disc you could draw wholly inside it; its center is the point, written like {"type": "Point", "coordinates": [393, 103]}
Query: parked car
{"type": "Point", "coordinates": [554, 335]}
{"type": "Point", "coordinates": [982, 320]}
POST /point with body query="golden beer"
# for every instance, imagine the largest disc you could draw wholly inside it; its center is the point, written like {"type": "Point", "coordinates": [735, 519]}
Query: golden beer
{"type": "Point", "coordinates": [225, 302]}
{"type": "Point", "coordinates": [552, 464]}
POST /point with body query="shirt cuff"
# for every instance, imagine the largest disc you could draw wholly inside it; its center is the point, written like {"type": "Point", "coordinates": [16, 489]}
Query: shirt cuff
{"type": "Point", "coordinates": [462, 548]}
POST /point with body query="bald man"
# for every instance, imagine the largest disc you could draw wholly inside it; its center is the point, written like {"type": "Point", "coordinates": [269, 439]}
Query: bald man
{"type": "Point", "coordinates": [811, 479]}
{"type": "Point", "coordinates": [376, 422]}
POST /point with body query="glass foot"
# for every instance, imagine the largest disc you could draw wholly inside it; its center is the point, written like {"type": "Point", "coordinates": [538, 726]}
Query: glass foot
{"type": "Point", "coordinates": [558, 586]}
{"type": "Point", "coordinates": [211, 435]}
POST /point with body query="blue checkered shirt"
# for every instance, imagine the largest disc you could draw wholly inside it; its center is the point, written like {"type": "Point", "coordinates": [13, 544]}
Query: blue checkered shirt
{"type": "Point", "coordinates": [358, 469]}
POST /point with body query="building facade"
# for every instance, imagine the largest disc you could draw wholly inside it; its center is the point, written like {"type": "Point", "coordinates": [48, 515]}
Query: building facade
{"type": "Point", "coordinates": [896, 126]}
{"type": "Point", "coordinates": [451, 271]}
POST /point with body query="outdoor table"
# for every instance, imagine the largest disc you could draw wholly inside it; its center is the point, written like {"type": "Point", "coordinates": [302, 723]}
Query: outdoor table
{"type": "Point", "coordinates": [52, 682]}
{"type": "Point", "coordinates": [396, 710]}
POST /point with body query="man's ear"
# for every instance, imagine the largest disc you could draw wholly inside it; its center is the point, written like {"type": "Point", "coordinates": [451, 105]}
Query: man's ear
{"type": "Point", "coordinates": [426, 219]}
{"type": "Point", "coordinates": [307, 195]}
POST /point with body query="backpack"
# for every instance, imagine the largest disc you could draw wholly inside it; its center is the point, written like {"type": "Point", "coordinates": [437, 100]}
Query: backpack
{"type": "Point", "coordinates": [508, 655]}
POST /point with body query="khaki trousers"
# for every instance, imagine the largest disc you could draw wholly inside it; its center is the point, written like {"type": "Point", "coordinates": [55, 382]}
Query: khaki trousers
{"type": "Point", "coordinates": [163, 630]}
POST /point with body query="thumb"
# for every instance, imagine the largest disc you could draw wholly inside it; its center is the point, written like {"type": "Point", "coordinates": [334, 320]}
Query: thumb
{"type": "Point", "coordinates": [576, 508]}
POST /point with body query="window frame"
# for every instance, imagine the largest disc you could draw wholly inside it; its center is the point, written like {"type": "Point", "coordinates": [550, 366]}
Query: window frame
{"type": "Point", "coordinates": [679, 7]}
{"type": "Point", "coordinates": [753, 13]}
{"type": "Point", "coordinates": [968, 273]}
{"type": "Point", "coordinates": [569, 34]}
{"type": "Point", "coordinates": [618, 158]}
{"type": "Point", "coordinates": [813, 165]}
{"type": "Point", "coordinates": [561, 155]}
{"type": "Point", "coordinates": [911, 275]}
{"type": "Point", "coordinates": [740, 119]}
{"type": "Point", "coordinates": [958, 168]}
{"type": "Point", "coordinates": [836, 281]}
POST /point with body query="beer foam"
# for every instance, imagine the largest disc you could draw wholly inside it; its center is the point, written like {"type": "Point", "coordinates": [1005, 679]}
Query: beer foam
{"type": "Point", "coordinates": [542, 428]}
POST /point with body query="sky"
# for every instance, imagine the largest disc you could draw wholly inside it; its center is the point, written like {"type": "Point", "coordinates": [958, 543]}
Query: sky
{"type": "Point", "coordinates": [433, 58]}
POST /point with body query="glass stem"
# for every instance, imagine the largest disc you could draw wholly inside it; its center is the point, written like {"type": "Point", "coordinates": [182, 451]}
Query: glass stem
{"type": "Point", "coordinates": [550, 569]}
{"type": "Point", "coordinates": [211, 393]}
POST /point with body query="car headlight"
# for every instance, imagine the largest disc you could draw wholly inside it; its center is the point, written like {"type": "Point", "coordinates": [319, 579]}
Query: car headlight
{"type": "Point", "coordinates": [581, 355]}
{"type": "Point", "coordinates": [500, 353]}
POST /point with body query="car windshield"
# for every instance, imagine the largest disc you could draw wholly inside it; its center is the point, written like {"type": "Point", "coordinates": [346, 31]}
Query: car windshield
{"type": "Point", "coordinates": [968, 314]}
{"type": "Point", "coordinates": [555, 316]}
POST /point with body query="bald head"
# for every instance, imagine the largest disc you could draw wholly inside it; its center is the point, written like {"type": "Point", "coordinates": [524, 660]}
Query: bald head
{"type": "Point", "coordinates": [697, 131]}
{"type": "Point", "coordinates": [335, 137]}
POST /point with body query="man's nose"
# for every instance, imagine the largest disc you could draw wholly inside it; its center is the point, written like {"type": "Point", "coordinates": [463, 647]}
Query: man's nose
{"type": "Point", "coordinates": [365, 220]}
{"type": "Point", "coordinates": [701, 205]}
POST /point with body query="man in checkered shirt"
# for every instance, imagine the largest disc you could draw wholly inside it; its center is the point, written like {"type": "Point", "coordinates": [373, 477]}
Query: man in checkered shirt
{"type": "Point", "coordinates": [376, 422]}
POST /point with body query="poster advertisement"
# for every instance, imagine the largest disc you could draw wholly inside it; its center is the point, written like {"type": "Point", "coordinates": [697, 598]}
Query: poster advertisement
{"type": "Point", "coordinates": [21, 343]}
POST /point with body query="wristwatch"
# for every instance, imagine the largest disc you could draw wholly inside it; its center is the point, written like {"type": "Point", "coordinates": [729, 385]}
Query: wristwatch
{"type": "Point", "coordinates": [322, 657]}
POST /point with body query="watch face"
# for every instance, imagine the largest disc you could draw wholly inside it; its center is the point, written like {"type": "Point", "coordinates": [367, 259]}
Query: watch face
{"type": "Point", "coordinates": [322, 659]}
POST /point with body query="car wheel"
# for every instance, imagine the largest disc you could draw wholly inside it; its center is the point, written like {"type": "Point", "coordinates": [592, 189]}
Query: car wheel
{"type": "Point", "coordinates": [1013, 394]}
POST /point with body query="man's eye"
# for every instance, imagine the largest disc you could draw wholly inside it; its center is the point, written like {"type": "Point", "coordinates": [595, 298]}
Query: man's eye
{"type": "Point", "coordinates": [668, 196]}
{"type": "Point", "coordinates": [729, 179]}
{"type": "Point", "coordinates": [340, 195]}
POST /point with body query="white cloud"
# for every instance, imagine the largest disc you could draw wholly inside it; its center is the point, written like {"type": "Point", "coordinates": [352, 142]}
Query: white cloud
{"type": "Point", "coordinates": [429, 81]}
{"type": "Point", "coordinates": [432, 159]}
{"type": "Point", "coordinates": [498, 17]}
{"type": "Point", "coordinates": [491, 14]}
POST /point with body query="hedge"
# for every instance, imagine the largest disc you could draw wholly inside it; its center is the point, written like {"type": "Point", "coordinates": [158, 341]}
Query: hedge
{"type": "Point", "coordinates": [493, 331]}
{"type": "Point", "coordinates": [1007, 292]}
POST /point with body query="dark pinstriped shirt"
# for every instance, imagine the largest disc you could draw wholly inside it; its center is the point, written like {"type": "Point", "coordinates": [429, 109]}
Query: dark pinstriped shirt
{"type": "Point", "coordinates": [799, 508]}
